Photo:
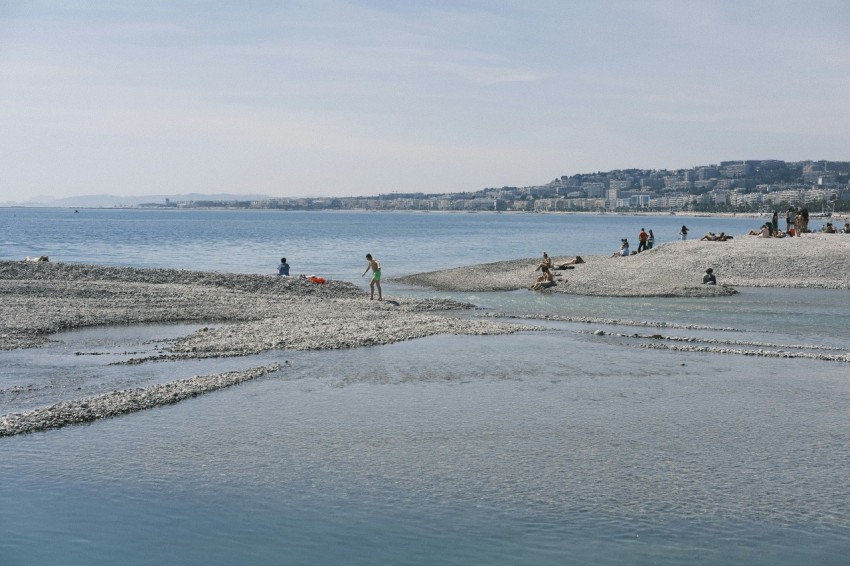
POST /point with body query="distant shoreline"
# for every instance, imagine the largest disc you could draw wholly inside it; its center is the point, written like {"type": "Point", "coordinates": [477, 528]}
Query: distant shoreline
{"type": "Point", "coordinates": [649, 214]}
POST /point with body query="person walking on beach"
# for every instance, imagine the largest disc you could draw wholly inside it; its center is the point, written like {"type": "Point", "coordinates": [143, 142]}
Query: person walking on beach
{"type": "Point", "coordinates": [642, 239]}
{"type": "Point", "coordinates": [774, 220]}
{"type": "Point", "coordinates": [375, 266]}
{"type": "Point", "coordinates": [684, 232]}
{"type": "Point", "coordinates": [283, 268]}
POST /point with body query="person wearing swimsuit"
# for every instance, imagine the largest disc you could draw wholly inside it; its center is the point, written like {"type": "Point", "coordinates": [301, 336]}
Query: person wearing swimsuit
{"type": "Point", "coordinates": [375, 266]}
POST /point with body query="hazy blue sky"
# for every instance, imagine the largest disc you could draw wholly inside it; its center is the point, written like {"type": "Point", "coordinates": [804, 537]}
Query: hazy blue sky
{"type": "Point", "coordinates": [343, 98]}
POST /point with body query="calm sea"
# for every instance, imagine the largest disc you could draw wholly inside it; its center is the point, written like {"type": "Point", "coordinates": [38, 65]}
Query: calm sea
{"type": "Point", "coordinates": [538, 448]}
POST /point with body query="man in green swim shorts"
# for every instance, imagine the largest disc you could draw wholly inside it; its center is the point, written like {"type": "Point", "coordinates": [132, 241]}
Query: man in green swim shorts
{"type": "Point", "coordinates": [375, 266]}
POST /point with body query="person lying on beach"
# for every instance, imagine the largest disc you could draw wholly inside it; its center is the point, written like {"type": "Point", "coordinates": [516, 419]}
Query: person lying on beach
{"type": "Point", "coordinates": [36, 259]}
{"type": "Point", "coordinates": [570, 264]}
{"type": "Point", "coordinates": [710, 237]}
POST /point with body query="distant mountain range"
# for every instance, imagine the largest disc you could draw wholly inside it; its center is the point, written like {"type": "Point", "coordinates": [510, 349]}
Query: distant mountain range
{"type": "Point", "coordinates": [111, 201]}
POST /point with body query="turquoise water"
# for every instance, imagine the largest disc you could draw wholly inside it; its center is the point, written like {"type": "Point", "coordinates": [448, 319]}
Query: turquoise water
{"type": "Point", "coordinates": [548, 447]}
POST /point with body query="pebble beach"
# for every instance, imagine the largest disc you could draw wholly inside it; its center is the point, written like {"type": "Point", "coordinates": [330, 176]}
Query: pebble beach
{"type": "Point", "coordinates": [246, 314]}
{"type": "Point", "coordinates": [251, 314]}
{"type": "Point", "coordinates": [674, 269]}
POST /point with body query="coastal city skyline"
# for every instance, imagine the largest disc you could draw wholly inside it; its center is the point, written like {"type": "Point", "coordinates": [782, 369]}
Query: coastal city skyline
{"type": "Point", "coordinates": [730, 186]}
{"type": "Point", "coordinates": [361, 98]}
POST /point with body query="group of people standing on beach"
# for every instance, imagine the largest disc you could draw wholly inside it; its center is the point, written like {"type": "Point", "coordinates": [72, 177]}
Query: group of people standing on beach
{"type": "Point", "coordinates": [796, 221]}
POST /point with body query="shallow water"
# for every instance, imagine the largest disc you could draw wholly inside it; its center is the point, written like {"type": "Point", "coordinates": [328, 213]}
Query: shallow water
{"type": "Point", "coordinates": [550, 446]}
{"type": "Point", "coordinates": [537, 448]}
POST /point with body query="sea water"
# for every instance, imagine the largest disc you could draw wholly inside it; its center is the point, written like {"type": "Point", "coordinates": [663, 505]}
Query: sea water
{"type": "Point", "coordinates": [544, 447]}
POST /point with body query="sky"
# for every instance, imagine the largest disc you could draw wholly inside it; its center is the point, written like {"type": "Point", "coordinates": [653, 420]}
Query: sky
{"type": "Point", "coordinates": [345, 98]}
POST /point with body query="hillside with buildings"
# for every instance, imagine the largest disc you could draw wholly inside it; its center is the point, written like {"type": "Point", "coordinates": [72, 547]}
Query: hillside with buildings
{"type": "Point", "coordinates": [730, 186]}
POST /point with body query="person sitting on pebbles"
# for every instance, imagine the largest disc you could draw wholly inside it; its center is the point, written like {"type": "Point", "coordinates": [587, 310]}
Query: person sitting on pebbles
{"type": "Point", "coordinates": [764, 232]}
{"type": "Point", "coordinates": [624, 248]}
{"type": "Point", "coordinates": [545, 264]}
{"type": "Point", "coordinates": [544, 281]}
{"type": "Point", "coordinates": [709, 278]}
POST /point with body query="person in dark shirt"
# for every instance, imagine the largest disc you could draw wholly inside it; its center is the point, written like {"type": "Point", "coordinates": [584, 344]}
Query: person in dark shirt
{"type": "Point", "coordinates": [283, 268]}
{"type": "Point", "coordinates": [709, 278]}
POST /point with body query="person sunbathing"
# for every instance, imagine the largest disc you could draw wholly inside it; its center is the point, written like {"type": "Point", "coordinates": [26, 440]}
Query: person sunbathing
{"type": "Point", "coordinates": [569, 264]}
{"type": "Point", "coordinates": [624, 248]}
{"type": "Point", "coordinates": [763, 233]}
{"type": "Point", "coordinates": [544, 281]}
{"type": "Point", "coordinates": [545, 264]}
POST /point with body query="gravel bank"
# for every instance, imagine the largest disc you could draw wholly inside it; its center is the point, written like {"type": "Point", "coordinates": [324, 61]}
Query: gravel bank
{"type": "Point", "coordinates": [257, 313]}
{"type": "Point", "coordinates": [263, 312]}
{"type": "Point", "coordinates": [116, 403]}
{"type": "Point", "coordinates": [674, 269]}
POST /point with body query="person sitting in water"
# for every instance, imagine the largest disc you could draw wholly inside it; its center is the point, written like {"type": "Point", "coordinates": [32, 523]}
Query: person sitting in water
{"type": "Point", "coordinates": [624, 248]}
{"type": "Point", "coordinates": [283, 268]}
{"type": "Point", "coordinates": [709, 278]}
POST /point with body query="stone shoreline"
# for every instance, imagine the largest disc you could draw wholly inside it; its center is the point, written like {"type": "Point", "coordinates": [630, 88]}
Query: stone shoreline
{"type": "Point", "coordinates": [674, 269]}
{"type": "Point", "coordinates": [257, 313]}
{"type": "Point", "coordinates": [117, 403]}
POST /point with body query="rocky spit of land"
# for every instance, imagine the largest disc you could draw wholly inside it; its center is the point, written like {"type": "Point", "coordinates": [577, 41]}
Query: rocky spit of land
{"type": "Point", "coordinates": [246, 314]}
{"type": "Point", "coordinates": [116, 403]}
{"type": "Point", "coordinates": [259, 312]}
{"type": "Point", "coordinates": [674, 269]}
{"type": "Point", "coordinates": [249, 314]}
